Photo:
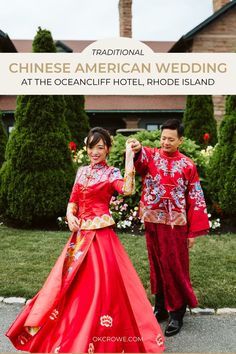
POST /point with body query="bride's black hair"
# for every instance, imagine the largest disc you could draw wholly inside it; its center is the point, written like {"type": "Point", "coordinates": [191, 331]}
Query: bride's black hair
{"type": "Point", "coordinates": [95, 135]}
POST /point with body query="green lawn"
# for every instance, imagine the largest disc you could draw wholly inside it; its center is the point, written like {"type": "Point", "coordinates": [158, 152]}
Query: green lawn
{"type": "Point", "coordinates": [27, 256]}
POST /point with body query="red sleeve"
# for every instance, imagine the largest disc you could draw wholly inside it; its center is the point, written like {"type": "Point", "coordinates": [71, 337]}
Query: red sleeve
{"type": "Point", "coordinates": [116, 180]}
{"type": "Point", "coordinates": [142, 159]}
{"type": "Point", "coordinates": [74, 197]}
{"type": "Point", "coordinates": [198, 223]}
{"type": "Point", "coordinates": [118, 185]}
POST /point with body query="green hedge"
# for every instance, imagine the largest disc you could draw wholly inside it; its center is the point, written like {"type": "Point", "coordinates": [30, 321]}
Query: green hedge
{"type": "Point", "coordinates": [222, 169]}
{"type": "Point", "coordinates": [199, 119]}
{"type": "Point", "coordinates": [3, 141]}
{"type": "Point", "coordinates": [36, 179]}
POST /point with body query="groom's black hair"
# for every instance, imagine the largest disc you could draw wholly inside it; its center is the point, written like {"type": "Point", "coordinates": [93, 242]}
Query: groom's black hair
{"type": "Point", "coordinates": [174, 124]}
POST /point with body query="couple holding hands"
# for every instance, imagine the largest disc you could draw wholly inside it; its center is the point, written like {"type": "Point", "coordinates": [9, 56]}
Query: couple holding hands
{"type": "Point", "coordinates": [93, 299]}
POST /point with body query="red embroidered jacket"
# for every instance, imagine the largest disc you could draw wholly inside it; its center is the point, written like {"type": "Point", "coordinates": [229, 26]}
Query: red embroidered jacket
{"type": "Point", "coordinates": [92, 192]}
{"type": "Point", "coordinates": [171, 192]}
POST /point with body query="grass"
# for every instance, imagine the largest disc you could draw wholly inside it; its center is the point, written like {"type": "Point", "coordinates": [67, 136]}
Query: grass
{"type": "Point", "coordinates": [27, 256]}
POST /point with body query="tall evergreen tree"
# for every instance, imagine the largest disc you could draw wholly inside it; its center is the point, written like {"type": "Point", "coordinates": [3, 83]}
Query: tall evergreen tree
{"type": "Point", "coordinates": [43, 42]}
{"type": "Point", "coordinates": [199, 120]}
{"type": "Point", "coordinates": [3, 141]}
{"type": "Point", "coordinates": [230, 104]}
{"type": "Point", "coordinates": [222, 167]}
{"type": "Point", "coordinates": [38, 172]}
{"type": "Point", "coordinates": [77, 119]}
{"type": "Point", "coordinates": [75, 115]}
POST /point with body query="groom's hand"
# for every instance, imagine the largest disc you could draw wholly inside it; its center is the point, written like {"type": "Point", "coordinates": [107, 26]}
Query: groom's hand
{"type": "Point", "coordinates": [135, 145]}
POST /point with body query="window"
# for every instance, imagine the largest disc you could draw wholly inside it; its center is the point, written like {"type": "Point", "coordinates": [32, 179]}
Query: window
{"type": "Point", "coordinates": [152, 127]}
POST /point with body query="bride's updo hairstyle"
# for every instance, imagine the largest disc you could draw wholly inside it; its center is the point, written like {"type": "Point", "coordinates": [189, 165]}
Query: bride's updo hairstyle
{"type": "Point", "coordinates": [95, 135]}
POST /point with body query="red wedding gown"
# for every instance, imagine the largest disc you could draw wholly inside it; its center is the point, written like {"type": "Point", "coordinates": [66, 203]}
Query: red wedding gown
{"type": "Point", "coordinates": [93, 300]}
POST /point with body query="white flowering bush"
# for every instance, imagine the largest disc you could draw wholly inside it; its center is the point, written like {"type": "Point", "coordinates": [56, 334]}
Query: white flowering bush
{"type": "Point", "coordinates": [126, 218]}
{"type": "Point", "coordinates": [207, 153]}
{"type": "Point", "coordinates": [80, 157]}
{"type": "Point", "coordinates": [62, 223]}
{"type": "Point", "coordinates": [214, 223]}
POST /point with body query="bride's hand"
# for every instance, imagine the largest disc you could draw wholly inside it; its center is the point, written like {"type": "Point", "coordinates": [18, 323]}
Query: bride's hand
{"type": "Point", "coordinates": [73, 222]}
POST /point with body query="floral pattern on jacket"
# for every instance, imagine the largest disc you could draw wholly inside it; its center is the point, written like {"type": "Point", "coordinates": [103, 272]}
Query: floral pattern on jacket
{"type": "Point", "coordinates": [171, 192]}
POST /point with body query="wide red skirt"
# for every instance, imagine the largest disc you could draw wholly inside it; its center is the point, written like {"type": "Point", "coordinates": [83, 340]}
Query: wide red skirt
{"type": "Point", "coordinates": [92, 301]}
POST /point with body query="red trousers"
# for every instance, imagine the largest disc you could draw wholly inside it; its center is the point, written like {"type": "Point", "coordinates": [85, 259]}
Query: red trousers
{"type": "Point", "coordinates": [169, 265]}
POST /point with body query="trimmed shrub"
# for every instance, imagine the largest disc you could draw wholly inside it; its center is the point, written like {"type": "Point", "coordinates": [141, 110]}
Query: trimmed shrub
{"type": "Point", "coordinates": [38, 173]}
{"type": "Point", "coordinates": [37, 177]}
{"type": "Point", "coordinates": [230, 104]}
{"type": "Point", "coordinates": [199, 120]}
{"type": "Point", "coordinates": [43, 42]}
{"type": "Point", "coordinates": [3, 141]}
{"type": "Point", "coordinates": [222, 166]}
{"type": "Point", "coordinates": [77, 119]}
{"type": "Point", "coordinates": [75, 115]}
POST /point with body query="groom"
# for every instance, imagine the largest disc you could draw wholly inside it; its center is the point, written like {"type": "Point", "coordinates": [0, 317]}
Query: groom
{"type": "Point", "coordinates": [173, 209]}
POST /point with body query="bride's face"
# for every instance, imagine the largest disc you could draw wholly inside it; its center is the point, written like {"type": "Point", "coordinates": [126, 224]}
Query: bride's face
{"type": "Point", "coordinates": [98, 152]}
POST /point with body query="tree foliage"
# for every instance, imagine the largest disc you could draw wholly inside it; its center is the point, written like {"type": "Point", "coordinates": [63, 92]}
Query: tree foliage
{"type": "Point", "coordinates": [37, 176]}
{"type": "Point", "coordinates": [77, 119]}
{"type": "Point", "coordinates": [3, 141]}
{"type": "Point", "coordinates": [199, 119]}
{"type": "Point", "coordinates": [38, 173]}
{"type": "Point", "coordinates": [222, 166]}
{"type": "Point", "coordinates": [43, 42]}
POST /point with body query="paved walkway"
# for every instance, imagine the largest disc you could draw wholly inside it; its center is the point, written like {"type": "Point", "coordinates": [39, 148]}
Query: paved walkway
{"type": "Point", "coordinates": [200, 333]}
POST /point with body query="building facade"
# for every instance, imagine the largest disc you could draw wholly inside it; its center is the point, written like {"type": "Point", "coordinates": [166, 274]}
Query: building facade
{"type": "Point", "coordinates": [216, 34]}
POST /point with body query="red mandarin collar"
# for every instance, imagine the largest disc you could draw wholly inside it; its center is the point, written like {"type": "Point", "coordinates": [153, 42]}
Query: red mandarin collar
{"type": "Point", "coordinates": [176, 154]}
{"type": "Point", "coordinates": [99, 165]}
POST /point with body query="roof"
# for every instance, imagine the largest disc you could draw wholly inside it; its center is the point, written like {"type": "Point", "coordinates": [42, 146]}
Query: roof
{"type": "Point", "coordinates": [25, 45]}
{"type": "Point", "coordinates": [96, 103]}
{"type": "Point", "coordinates": [6, 45]}
{"type": "Point", "coordinates": [182, 44]}
{"type": "Point", "coordinates": [134, 103]}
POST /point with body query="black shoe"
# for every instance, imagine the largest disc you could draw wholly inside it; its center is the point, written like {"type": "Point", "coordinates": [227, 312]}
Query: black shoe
{"type": "Point", "coordinates": [161, 314]}
{"type": "Point", "coordinates": [159, 309]}
{"type": "Point", "coordinates": [173, 327]}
